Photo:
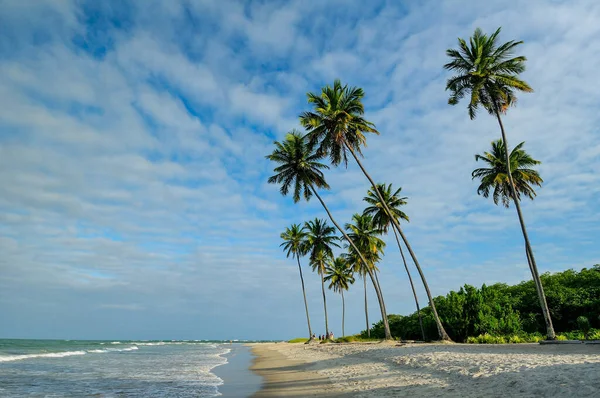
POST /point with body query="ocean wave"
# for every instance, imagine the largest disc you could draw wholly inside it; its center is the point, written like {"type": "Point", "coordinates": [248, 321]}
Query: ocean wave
{"type": "Point", "coordinates": [105, 350]}
{"type": "Point", "coordinates": [150, 344]}
{"type": "Point", "coordinates": [8, 358]}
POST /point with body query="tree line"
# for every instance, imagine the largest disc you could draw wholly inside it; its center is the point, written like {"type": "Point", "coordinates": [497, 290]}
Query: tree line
{"type": "Point", "coordinates": [511, 312]}
{"type": "Point", "coordinates": [335, 130]}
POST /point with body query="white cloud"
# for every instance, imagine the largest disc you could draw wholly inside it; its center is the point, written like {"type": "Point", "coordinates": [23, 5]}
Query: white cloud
{"type": "Point", "coordinates": [136, 180]}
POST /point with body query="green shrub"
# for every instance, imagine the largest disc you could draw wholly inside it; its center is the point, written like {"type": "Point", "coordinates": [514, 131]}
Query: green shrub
{"type": "Point", "coordinates": [594, 334]}
{"type": "Point", "coordinates": [584, 325]}
{"type": "Point", "coordinates": [514, 339]}
{"type": "Point", "coordinates": [561, 337]}
{"type": "Point", "coordinates": [298, 340]}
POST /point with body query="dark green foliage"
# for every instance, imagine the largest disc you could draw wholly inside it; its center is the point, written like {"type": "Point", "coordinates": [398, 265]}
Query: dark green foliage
{"type": "Point", "coordinates": [583, 324]}
{"type": "Point", "coordinates": [510, 311]}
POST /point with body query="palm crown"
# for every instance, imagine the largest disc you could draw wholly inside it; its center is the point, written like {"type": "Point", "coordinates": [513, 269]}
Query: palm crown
{"type": "Point", "coordinates": [337, 120]}
{"type": "Point", "coordinates": [485, 71]}
{"type": "Point", "coordinates": [320, 240]}
{"type": "Point", "coordinates": [299, 166]}
{"type": "Point", "coordinates": [381, 218]}
{"type": "Point", "coordinates": [495, 176]}
{"type": "Point", "coordinates": [339, 275]}
{"type": "Point", "coordinates": [294, 241]}
{"type": "Point", "coordinates": [365, 235]}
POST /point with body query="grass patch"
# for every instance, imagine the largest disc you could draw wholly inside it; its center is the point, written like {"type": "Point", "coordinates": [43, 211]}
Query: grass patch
{"type": "Point", "coordinates": [512, 339]}
{"type": "Point", "coordinates": [354, 339]}
{"type": "Point", "coordinates": [298, 340]}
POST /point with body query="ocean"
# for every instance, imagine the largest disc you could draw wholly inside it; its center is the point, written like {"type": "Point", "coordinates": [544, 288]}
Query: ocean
{"type": "Point", "coordinates": [103, 369]}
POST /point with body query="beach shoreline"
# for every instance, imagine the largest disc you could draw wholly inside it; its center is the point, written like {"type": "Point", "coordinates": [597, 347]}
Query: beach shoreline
{"type": "Point", "coordinates": [425, 370]}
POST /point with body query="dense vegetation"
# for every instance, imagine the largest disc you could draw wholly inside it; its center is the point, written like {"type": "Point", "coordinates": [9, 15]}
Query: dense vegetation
{"type": "Point", "coordinates": [501, 313]}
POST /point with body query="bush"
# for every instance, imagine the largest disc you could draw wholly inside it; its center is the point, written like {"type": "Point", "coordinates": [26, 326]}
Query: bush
{"type": "Point", "coordinates": [514, 339]}
{"type": "Point", "coordinates": [584, 325]}
{"type": "Point", "coordinates": [594, 334]}
{"type": "Point", "coordinates": [561, 337]}
{"type": "Point", "coordinates": [298, 340]}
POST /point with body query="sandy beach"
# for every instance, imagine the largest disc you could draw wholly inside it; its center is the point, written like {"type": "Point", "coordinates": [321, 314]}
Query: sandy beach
{"type": "Point", "coordinates": [427, 370]}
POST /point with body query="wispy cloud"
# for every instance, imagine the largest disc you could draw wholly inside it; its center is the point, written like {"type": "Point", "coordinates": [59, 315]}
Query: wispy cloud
{"type": "Point", "coordinates": [132, 143]}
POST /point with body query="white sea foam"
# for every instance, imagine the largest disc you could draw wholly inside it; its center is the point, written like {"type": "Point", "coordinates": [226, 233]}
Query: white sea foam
{"type": "Point", "coordinates": [105, 350]}
{"type": "Point", "coordinates": [8, 358]}
{"type": "Point", "coordinates": [150, 344]}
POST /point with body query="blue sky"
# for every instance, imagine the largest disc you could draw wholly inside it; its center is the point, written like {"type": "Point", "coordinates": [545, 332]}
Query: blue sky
{"type": "Point", "coordinates": [133, 193]}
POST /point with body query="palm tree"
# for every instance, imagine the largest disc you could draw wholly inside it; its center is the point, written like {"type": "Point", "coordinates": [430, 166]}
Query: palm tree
{"type": "Point", "coordinates": [337, 127]}
{"type": "Point", "coordinates": [299, 168]}
{"type": "Point", "coordinates": [489, 74]}
{"type": "Point", "coordinates": [496, 177]}
{"type": "Point", "coordinates": [294, 244]}
{"type": "Point", "coordinates": [382, 221]}
{"type": "Point", "coordinates": [340, 277]}
{"type": "Point", "coordinates": [320, 240]}
{"type": "Point", "coordinates": [359, 267]}
{"type": "Point", "coordinates": [365, 236]}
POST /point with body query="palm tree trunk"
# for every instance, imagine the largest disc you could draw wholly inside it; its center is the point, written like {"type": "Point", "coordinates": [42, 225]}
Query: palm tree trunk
{"type": "Point", "coordinates": [386, 325]}
{"type": "Point", "coordinates": [412, 285]}
{"type": "Point", "coordinates": [305, 302]}
{"type": "Point", "coordinates": [324, 303]}
{"type": "Point", "coordinates": [343, 313]}
{"type": "Point", "coordinates": [366, 306]}
{"type": "Point", "coordinates": [441, 331]}
{"type": "Point", "coordinates": [550, 334]}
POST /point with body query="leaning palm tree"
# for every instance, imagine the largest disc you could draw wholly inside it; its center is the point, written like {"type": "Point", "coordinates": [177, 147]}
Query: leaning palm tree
{"type": "Point", "coordinates": [382, 221]}
{"type": "Point", "coordinates": [320, 240]}
{"type": "Point", "coordinates": [299, 169]}
{"type": "Point", "coordinates": [359, 267]}
{"type": "Point", "coordinates": [294, 244]}
{"type": "Point", "coordinates": [337, 127]}
{"type": "Point", "coordinates": [365, 236]}
{"type": "Point", "coordinates": [495, 175]}
{"type": "Point", "coordinates": [340, 277]}
{"type": "Point", "coordinates": [488, 73]}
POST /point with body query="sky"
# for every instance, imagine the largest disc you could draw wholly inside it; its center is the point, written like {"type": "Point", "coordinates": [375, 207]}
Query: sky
{"type": "Point", "coordinates": [133, 186]}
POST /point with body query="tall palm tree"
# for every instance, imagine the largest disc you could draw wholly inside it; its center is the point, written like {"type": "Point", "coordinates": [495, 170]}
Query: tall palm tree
{"type": "Point", "coordinates": [382, 220]}
{"type": "Point", "coordinates": [359, 267]}
{"type": "Point", "coordinates": [340, 277]}
{"type": "Point", "coordinates": [299, 168]}
{"type": "Point", "coordinates": [495, 175]}
{"type": "Point", "coordinates": [365, 236]}
{"type": "Point", "coordinates": [337, 127]}
{"type": "Point", "coordinates": [320, 240]}
{"type": "Point", "coordinates": [488, 72]}
{"type": "Point", "coordinates": [294, 244]}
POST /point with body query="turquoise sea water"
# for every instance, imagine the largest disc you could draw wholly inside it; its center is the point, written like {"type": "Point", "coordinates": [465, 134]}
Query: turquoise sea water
{"type": "Point", "coordinates": [64, 368]}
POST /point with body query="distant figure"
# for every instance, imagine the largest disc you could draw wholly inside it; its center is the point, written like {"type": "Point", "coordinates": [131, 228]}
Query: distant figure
{"type": "Point", "coordinates": [331, 335]}
{"type": "Point", "coordinates": [320, 338]}
{"type": "Point", "coordinates": [313, 336]}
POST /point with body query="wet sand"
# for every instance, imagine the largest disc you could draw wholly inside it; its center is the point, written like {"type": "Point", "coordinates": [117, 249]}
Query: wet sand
{"type": "Point", "coordinates": [284, 377]}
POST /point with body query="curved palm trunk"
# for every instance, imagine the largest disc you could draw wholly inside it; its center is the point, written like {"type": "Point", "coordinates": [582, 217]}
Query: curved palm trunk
{"type": "Point", "coordinates": [305, 302]}
{"type": "Point", "coordinates": [324, 304]}
{"type": "Point", "coordinates": [343, 313]}
{"type": "Point", "coordinates": [386, 325]}
{"type": "Point", "coordinates": [379, 285]}
{"type": "Point", "coordinates": [366, 306]}
{"type": "Point", "coordinates": [530, 258]}
{"type": "Point", "coordinates": [441, 331]}
{"type": "Point", "coordinates": [412, 285]}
